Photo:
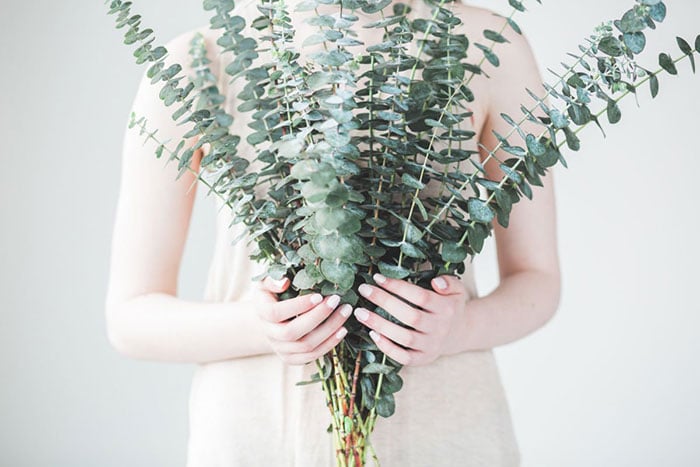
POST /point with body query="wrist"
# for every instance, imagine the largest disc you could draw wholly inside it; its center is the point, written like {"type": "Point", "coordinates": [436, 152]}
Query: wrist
{"type": "Point", "coordinates": [460, 338]}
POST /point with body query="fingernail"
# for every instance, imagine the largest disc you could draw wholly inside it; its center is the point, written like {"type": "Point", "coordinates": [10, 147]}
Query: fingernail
{"type": "Point", "coordinates": [345, 310]}
{"type": "Point", "coordinates": [316, 298]}
{"type": "Point", "coordinates": [440, 283]}
{"type": "Point", "coordinates": [333, 301]}
{"type": "Point", "coordinates": [280, 282]}
{"type": "Point", "coordinates": [341, 333]}
{"type": "Point", "coordinates": [365, 290]}
{"type": "Point", "coordinates": [374, 335]}
{"type": "Point", "coordinates": [379, 279]}
{"type": "Point", "coordinates": [361, 314]}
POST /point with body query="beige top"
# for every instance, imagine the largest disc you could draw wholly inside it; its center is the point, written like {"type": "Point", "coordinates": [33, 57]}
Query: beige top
{"type": "Point", "coordinates": [249, 412]}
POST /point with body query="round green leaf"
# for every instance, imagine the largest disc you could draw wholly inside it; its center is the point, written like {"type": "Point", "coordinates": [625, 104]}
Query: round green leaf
{"type": "Point", "coordinates": [534, 146]}
{"type": "Point", "coordinates": [303, 281]}
{"type": "Point", "coordinates": [343, 247]}
{"type": "Point", "coordinates": [657, 12]}
{"type": "Point", "coordinates": [342, 274]}
{"type": "Point", "coordinates": [412, 251]}
{"type": "Point", "coordinates": [329, 220]}
{"type": "Point", "coordinates": [323, 174]}
{"type": "Point", "coordinates": [386, 405]}
{"type": "Point", "coordinates": [303, 170]}
{"type": "Point", "coordinates": [452, 252]}
{"type": "Point", "coordinates": [393, 271]}
{"type": "Point", "coordinates": [611, 46]}
{"type": "Point", "coordinates": [632, 21]}
{"type": "Point", "coordinates": [635, 41]}
{"type": "Point", "coordinates": [479, 210]}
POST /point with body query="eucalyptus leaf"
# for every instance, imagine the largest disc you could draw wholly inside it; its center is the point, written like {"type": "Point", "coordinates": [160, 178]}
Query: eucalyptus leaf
{"type": "Point", "coordinates": [393, 271]}
{"type": "Point", "coordinates": [453, 252]}
{"type": "Point", "coordinates": [480, 211]}
{"type": "Point", "coordinates": [666, 62]}
{"type": "Point", "coordinates": [339, 273]}
{"type": "Point", "coordinates": [613, 111]}
{"type": "Point", "coordinates": [654, 85]}
{"type": "Point", "coordinates": [636, 41]}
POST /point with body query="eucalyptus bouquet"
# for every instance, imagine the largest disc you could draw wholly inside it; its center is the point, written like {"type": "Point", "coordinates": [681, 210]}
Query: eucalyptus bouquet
{"type": "Point", "coordinates": [365, 149]}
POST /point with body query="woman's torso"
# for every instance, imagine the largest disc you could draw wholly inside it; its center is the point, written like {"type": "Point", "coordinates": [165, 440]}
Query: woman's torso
{"type": "Point", "coordinates": [250, 412]}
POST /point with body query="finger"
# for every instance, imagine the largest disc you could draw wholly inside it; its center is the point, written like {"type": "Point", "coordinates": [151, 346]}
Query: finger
{"type": "Point", "coordinates": [447, 285]}
{"type": "Point", "coordinates": [404, 312]}
{"type": "Point", "coordinates": [415, 294]}
{"type": "Point", "coordinates": [393, 351]}
{"type": "Point", "coordinates": [283, 310]}
{"type": "Point", "coordinates": [276, 286]}
{"type": "Point", "coordinates": [303, 324]}
{"type": "Point", "coordinates": [317, 336]}
{"type": "Point", "coordinates": [399, 334]}
{"type": "Point", "coordinates": [325, 347]}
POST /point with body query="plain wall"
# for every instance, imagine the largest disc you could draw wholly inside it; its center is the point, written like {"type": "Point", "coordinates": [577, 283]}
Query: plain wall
{"type": "Point", "coordinates": [612, 380]}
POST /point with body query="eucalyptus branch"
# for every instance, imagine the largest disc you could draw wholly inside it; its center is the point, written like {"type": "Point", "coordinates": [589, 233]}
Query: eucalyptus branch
{"type": "Point", "coordinates": [537, 146]}
{"type": "Point", "coordinates": [496, 37]}
{"type": "Point", "coordinates": [346, 192]}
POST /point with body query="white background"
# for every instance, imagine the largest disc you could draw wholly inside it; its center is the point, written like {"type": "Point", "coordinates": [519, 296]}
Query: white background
{"type": "Point", "coordinates": [611, 381]}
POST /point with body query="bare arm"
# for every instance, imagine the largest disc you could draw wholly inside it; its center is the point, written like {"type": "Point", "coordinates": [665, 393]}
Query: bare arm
{"type": "Point", "coordinates": [528, 293]}
{"type": "Point", "coordinates": [145, 318]}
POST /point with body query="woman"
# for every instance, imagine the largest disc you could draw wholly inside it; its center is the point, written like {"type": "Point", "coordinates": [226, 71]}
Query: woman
{"type": "Point", "coordinates": [251, 348]}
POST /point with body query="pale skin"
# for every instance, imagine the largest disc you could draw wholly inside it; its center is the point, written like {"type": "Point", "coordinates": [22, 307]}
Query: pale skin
{"type": "Point", "coordinates": [147, 320]}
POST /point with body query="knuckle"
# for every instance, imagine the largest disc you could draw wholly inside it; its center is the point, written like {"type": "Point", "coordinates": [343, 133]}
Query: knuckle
{"type": "Point", "coordinates": [410, 341]}
{"type": "Point", "coordinates": [272, 314]}
{"type": "Point", "coordinates": [287, 334]}
{"type": "Point", "coordinates": [415, 319]}
{"type": "Point", "coordinates": [423, 298]}
{"type": "Point", "coordinates": [274, 334]}
{"type": "Point", "coordinates": [306, 346]}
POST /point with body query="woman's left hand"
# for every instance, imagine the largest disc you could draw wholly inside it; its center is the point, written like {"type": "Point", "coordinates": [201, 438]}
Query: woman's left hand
{"type": "Point", "coordinates": [435, 317]}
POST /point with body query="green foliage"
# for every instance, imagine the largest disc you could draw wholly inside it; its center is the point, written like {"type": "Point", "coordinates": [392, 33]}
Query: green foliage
{"type": "Point", "coordinates": [364, 148]}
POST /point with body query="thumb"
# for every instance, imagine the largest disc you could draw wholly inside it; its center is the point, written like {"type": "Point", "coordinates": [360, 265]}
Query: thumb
{"type": "Point", "coordinates": [447, 284]}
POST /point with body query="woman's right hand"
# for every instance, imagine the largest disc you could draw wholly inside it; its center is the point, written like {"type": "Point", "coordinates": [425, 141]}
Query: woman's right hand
{"type": "Point", "coordinates": [303, 328]}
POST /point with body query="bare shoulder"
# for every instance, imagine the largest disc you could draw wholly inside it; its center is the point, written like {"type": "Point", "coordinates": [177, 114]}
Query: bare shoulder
{"type": "Point", "coordinates": [148, 101]}
{"type": "Point", "coordinates": [516, 66]}
{"type": "Point", "coordinates": [179, 47]}
{"type": "Point", "coordinates": [475, 15]}
{"type": "Point", "coordinates": [476, 20]}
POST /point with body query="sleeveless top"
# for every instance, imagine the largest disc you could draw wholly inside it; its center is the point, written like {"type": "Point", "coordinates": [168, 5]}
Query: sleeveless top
{"type": "Point", "coordinates": [249, 412]}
